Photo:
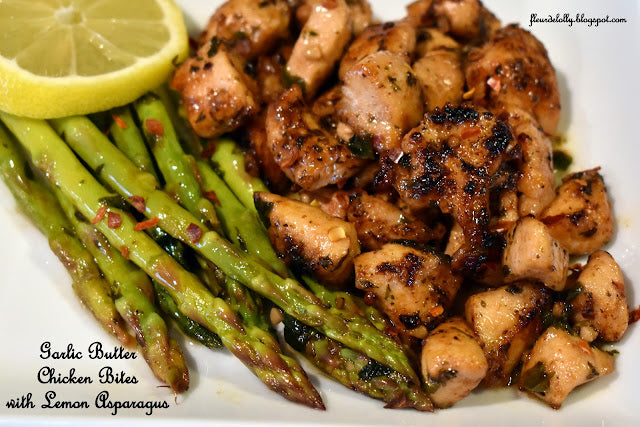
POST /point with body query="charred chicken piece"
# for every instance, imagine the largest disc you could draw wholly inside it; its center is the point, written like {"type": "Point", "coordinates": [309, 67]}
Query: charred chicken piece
{"type": "Point", "coordinates": [513, 69]}
{"type": "Point", "coordinates": [319, 46]}
{"type": "Point", "coordinates": [414, 288]}
{"type": "Point", "coordinates": [507, 320]}
{"type": "Point", "coordinates": [309, 155]}
{"type": "Point", "coordinates": [381, 100]}
{"type": "Point", "coordinates": [395, 37]}
{"type": "Point", "coordinates": [558, 363]}
{"type": "Point", "coordinates": [532, 253]}
{"type": "Point", "coordinates": [580, 217]}
{"type": "Point", "coordinates": [601, 301]}
{"type": "Point", "coordinates": [453, 363]}
{"type": "Point", "coordinates": [449, 161]}
{"type": "Point", "coordinates": [308, 239]}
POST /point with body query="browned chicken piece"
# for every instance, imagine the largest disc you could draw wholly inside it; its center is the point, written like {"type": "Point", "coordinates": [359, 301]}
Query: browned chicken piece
{"type": "Point", "coordinates": [558, 363]}
{"type": "Point", "coordinates": [218, 94]}
{"type": "Point", "coordinates": [381, 100]}
{"type": "Point", "coordinates": [601, 302]}
{"type": "Point", "coordinates": [532, 253]}
{"type": "Point", "coordinates": [320, 45]}
{"type": "Point", "coordinates": [507, 320]}
{"type": "Point", "coordinates": [413, 287]}
{"type": "Point", "coordinates": [449, 161]}
{"type": "Point", "coordinates": [308, 239]}
{"type": "Point", "coordinates": [579, 217]}
{"type": "Point", "coordinates": [395, 37]}
{"type": "Point", "coordinates": [310, 155]}
{"type": "Point", "coordinates": [463, 19]}
{"type": "Point", "coordinates": [360, 13]}
{"type": "Point", "coordinates": [378, 222]}
{"type": "Point", "coordinates": [246, 29]}
{"type": "Point", "coordinates": [439, 69]}
{"type": "Point", "coordinates": [255, 134]}
{"type": "Point", "coordinates": [537, 182]}
{"type": "Point", "coordinates": [513, 69]}
{"type": "Point", "coordinates": [452, 362]}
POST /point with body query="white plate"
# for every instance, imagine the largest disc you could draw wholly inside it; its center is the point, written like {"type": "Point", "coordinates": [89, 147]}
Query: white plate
{"type": "Point", "coordinates": [597, 68]}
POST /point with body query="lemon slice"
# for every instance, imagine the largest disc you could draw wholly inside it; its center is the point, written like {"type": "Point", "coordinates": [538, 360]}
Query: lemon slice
{"type": "Point", "coordinates": [67, 57]}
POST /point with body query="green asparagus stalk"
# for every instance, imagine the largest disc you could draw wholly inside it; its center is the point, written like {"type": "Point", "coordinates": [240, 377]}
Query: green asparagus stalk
{"type": "Point", "coordinates": [228, 160]}
{"type": "Point", "coordinates": [135, 303]}
{"type": "Point", "coordinates": [355, 370]}
{"type": "Point", "coordinates": [129, 140]}
{"type": "Point", "coordinates": [52, 156]}
{"type": "Point", "coordinates": [240, 224]}
{"type": "Point", "coordinates": [41, 206]}
{"type": "Point", "coordinates": [106, 160]}
{"type": "Point", "coordinates": [239, 298]}
{"type": "Point", "coordinates": [175, 165]}
{"type": "Point", "coordinates": [188, 326]}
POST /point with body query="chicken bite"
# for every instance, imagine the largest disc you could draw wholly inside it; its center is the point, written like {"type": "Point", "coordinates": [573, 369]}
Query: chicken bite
{"type": "Point", "coordinates": [532, 253]}
{"type": "Point", "coordinates": [579, 216]}
{"type": "Point", "coordinates": [452, 362]}
{"type": "Point", "coordinates": [414, 288]}
{"type": "Point", "coordinates": [309, 239]}
{"type": "Point", "coordinates": [507, 320]}
{"type": "Point", "coordinates": [308, 154]}
{"type": "Point", "coordinates": [558, 363]}
{"type": "Point", "coordinates": [513, 69]}
{"type": "Point", "coordinates": [319, 46]}
{"type": "Point", "coordinates": [601, 301]}
{"type": "Point", "coordinates": [381, 99]}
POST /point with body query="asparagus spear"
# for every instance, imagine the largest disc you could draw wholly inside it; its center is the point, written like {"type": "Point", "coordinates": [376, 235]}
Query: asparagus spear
{"type": "Point", "coordinates": [129, 140]}
{"type": "Point", "coordinates": [239, 298]}
{"type": "Point", "coordinates": [240, 224]}
{"type": "Point", "coordinates": [355, 332]}
{"type": "Point", "coordinates": [40, 205]}
{"type": "Point", "coordinates": [355, 370]}
{"type": "Point", "coordinates": [163, 355]}
{"type": "Point", "coordinates": [62, 168]}
{"type": "Point", "coordinates": [175, 165]}
{"type": "Point", "coordinates": [228, 160]}
{"type": "Point", "coordinates": [188, 326]}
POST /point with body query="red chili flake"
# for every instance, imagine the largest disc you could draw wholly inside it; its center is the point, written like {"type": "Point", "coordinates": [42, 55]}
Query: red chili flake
{"type": "Point", "coordinates": [634, 315]}
{"type": "Point", "coordinates": [209, 149]}
{"type": "Point", "coordinates": [138, 203]}
{"type": "Point", "coordinates": [194, 232]}
{"type": "Point", "coordinates": [124, 250]}
{"type": "Point", "coordinates": [436, 311]}
{"type": "Point", "coordinates": [469, 132]}
{"type": "Point", "coordinates": [114, 220]}
{"type": "Point", "coordinates": [121, 124]}
{"type": "Point", "coordinates": [211, 195]}
{"type": "Point", "coordinates": [154, 126]}
{"type": "Point", "coordinates": [99, 214]}
{"type": "Point", "coordinates": [494, 83]}
{"type": "Point", "coordinates": [143, 225]}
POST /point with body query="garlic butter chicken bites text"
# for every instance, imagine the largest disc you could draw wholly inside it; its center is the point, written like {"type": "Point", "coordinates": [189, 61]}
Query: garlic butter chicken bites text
{"type": "Point", "coordinates": [413, 162]}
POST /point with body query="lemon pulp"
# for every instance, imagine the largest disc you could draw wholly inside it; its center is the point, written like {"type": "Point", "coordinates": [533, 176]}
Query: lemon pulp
{"type": "Point", "coordinates": [64, 57]}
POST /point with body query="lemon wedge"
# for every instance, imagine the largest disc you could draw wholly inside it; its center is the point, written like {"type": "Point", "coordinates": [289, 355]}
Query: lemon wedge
{"type": "Point", "coordinates": [65, 57]}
